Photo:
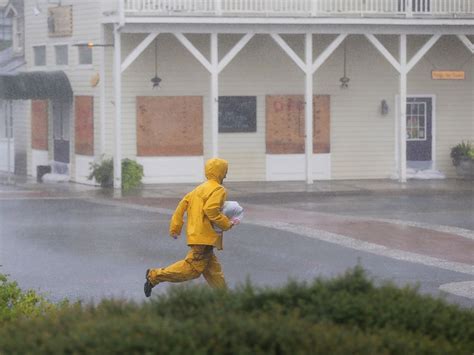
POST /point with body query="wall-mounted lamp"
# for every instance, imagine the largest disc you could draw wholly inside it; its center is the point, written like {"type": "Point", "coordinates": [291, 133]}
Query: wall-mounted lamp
{"type": "Point", "coordinates": [344, 80]}
{"type": "Point", "coordinates": [37, 9]}
{"type": "Point", "coordinates": [383, 107]}
{"type": "Point", "coordinates": [156, 80]}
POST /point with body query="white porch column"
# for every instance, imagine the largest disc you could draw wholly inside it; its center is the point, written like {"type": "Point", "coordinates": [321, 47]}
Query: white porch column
{"type": "Point", "coordinates": [309, 68]}
{"type": "Point", "coordinates": [309, 107]}
{"type": "Point", "coordinates": [214, 67]}
{"type": "Point", "coordinates": [403, 108]}
{"type": "Point", "coordinates": [118, 109]}
{"type": "Point", "coordinates": [403, 69]}
{"type": "Point", "coordinates": [214, 96]}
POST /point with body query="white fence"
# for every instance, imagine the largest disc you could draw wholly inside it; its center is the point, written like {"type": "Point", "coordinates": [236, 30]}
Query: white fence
{"type": "Point", "coordinates": [300, 7]}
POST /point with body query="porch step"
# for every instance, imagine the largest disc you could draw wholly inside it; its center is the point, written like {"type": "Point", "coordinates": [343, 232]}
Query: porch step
{"type": "Point", "coordinates": [55, 178]}
{"type": "Point", "coordinates": [424, 174]}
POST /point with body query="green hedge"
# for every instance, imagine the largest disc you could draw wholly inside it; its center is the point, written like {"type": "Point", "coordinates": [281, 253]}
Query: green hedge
{"type": "Point", "coordinates": [340, 316]}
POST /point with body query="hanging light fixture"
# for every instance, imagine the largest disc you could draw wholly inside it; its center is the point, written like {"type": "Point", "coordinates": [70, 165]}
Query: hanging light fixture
{"type": "Point", "coordinates": [344, 80]}
{"type": "Point", "coordinates": [156, 80]}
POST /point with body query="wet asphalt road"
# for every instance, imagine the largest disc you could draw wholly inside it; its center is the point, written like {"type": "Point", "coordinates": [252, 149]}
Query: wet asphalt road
{"type": "Point", "coordinates": [450, 209]}
{"type": "Point", "coordinates": [71, 248]}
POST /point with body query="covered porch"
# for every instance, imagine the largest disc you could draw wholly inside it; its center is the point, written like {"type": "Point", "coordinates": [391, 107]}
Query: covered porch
{"type": "Point", "coordinates": [307, 55]}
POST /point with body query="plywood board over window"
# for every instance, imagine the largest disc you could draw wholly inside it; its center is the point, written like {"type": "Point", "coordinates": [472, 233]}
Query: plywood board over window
{"type": "Point", "coordinates": [60, 21]}
{"type": "Point", "coordinates": [39, 124]}
{"type": "Point", "coordinates": [321, 124]}
{"type": "Point", "coordinates": [285, 124]}
{"type": "Point", "coordinates": [169, 126]}
{"type": "Point", "coordinates": [84, 124]}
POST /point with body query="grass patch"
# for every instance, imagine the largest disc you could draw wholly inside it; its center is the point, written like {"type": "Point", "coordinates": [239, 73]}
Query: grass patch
{"type": "Point", "coordinates": [339, 316]}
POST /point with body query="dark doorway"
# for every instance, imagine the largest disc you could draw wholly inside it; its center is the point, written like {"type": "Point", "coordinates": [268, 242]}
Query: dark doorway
{"type": "Point", "coordinates": [419, 132]}
{"type": "Point", "coordinates": [61, 131]}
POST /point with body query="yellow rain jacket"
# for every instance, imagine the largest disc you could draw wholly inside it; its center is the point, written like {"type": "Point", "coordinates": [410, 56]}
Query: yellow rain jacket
{"type": "Point", "coordinates": [203, 206]}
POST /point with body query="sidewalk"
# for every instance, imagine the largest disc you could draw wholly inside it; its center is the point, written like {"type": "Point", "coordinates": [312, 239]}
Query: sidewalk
{"type": "Point", "coordinates": [237, 190]}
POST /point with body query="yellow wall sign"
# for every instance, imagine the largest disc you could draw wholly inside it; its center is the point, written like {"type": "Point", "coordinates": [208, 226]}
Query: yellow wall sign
{"type": "Point", "coordinates": [448, 75]}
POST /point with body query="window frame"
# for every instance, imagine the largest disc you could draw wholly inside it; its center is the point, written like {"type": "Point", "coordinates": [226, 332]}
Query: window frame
{"type": "Point", "coordinates": [45, 55]}
{"type": "Point", "coordinates": [84, 65]}
{"type": "Point", "coordinates": [418, 126]}
{"type": "Point", "coordinates": [55, 45]}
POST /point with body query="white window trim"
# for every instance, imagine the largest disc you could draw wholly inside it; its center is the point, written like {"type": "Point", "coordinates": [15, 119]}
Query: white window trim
{"type": "Point", "coordinates": [433, 127]}
{"type": "Point", "coordinates": [39, 67]}
{"type": "Point", "coordinates": [425, 126]}
{"type": "Point", "coordinates": [16, 41]}
{"type": "Point", "coordinates": [83, 66]}
{"type": "Point", "coordinates": [62, 66]}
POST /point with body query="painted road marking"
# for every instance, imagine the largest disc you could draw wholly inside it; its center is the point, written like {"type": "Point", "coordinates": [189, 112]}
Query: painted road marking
{"type": "Point", "coordinates": [462, 232]}
{"type": "Point", "coordinates": [463, 289]}
{"type": "Point", "coordinates": [368, 247]}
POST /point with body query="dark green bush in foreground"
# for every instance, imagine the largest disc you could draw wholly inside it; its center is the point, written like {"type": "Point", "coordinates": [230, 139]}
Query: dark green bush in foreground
{"type": "Point", "coordinates": [340, 316]}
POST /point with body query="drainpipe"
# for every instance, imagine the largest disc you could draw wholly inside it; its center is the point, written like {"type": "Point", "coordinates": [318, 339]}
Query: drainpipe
{"type": "Point", "coordinates": [8, 117]}
{"type": "Point", "coordinates": [214, 97]}
{"type": "Point", "coordinates": [118, 109]}
{"type": "Point", "coordinates": [102, 92]}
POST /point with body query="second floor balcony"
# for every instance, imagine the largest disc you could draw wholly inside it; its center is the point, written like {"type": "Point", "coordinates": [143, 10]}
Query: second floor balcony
{"type": "Point", "coordinates": [300, 8]}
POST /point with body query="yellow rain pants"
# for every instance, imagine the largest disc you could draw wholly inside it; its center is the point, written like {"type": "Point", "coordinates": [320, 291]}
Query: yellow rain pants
{"type": "Point", "coordinates": [199, 260]}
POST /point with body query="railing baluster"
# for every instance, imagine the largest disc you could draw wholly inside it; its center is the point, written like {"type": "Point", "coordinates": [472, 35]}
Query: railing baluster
{"type": "Point", "coordinates": [303, 7]}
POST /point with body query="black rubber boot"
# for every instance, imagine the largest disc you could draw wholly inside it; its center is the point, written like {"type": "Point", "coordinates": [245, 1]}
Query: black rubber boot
{"type": "Point", "coordinates": [148, 286]}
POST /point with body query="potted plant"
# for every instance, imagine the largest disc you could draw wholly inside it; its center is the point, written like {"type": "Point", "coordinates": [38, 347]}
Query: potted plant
{"type": "Point", "coordinates": [462, 156]}
{"type": "Point", "coordinates": [103, 172]}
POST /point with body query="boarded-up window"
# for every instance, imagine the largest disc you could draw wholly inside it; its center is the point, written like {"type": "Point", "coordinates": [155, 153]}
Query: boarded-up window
{"type": "Point", "coordinates": [60, 21]}
{"type": "Point", "coordinates": [169, 126]}
{"type": "Point", "coordinates": [84, 128]}
{"type": "Point", "coordinates": [321, 124]}
{"type": "Point", "coordinates": [39, 124]}
{"type": "Point", "coordinates": [285, 124]}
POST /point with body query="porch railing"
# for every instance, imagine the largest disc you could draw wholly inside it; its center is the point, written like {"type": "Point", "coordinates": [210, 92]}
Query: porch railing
{"type": "Point", "coordinates": [305, 8]}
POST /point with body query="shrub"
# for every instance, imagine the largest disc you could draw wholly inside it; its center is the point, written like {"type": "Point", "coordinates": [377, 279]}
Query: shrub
{"type": "Point", "coordinates": [463, 150]}
{"type": "Point", "coordinates": [132, 174]}
{"type": "Point", "coordinates": [340, 316]}
{"type": "Point", "coordinates": [15, 303]}
{"type": "Point", "coordinates": [103, 172]}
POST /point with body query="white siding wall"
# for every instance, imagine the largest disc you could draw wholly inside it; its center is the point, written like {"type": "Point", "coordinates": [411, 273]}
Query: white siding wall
{"type": "Point", "coordinates": [454, 98]}
{"type": "Point", "coordinates": [86, 27]}
{"type": "Point", "coordinates": [362, 139]}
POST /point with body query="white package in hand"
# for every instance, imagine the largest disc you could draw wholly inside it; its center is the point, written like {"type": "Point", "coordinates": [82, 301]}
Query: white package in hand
{"type": "Point", "coordinates": [232, 210]}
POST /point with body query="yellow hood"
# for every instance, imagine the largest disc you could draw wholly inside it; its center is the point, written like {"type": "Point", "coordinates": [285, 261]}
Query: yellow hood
{"type": "Point", "coordinates": [216, 169]}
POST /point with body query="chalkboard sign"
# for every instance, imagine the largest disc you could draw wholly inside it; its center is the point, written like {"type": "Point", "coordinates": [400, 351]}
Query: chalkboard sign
{"type": "Point", "coordinates": [237, 114]}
